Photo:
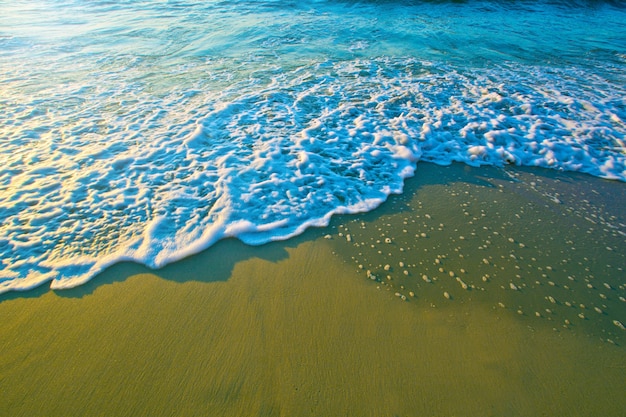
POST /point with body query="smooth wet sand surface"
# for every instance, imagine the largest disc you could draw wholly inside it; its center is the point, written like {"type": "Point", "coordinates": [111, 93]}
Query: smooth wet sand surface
{"type": "Point", "coordinates": [298, 328]}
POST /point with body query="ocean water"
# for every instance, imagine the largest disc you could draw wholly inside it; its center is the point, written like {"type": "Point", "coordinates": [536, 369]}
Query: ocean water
{"type": "Point", "coordinates": [149, 130]}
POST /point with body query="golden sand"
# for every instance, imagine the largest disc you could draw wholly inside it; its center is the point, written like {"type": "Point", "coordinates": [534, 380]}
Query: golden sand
{"type": "Point", "coordinates": [298, 328]}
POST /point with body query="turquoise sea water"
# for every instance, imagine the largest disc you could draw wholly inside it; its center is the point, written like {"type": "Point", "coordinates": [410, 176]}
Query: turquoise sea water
{"type": "Point", "coordinates": [148, 130]}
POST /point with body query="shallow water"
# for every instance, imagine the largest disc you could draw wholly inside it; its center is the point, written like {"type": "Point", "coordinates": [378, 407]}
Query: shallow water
{"type": "Point", "coordinates": [147, 131]}
{"type": "Point", "coordinates": [545, 247]}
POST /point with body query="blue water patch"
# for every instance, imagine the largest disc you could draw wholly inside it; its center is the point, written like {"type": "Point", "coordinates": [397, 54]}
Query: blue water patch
{"type": "Point", "coordinates": [147, 131]}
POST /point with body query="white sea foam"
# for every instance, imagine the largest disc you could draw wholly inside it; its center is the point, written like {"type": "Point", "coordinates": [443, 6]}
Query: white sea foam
{"type": "Point", "coordinates": [268, 160]}
{"type": "Point", "coordinates": [120, 156]}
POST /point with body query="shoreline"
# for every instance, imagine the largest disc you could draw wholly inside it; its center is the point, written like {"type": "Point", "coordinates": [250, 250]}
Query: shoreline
{"type": "Point", "coordinates": [298, 327]}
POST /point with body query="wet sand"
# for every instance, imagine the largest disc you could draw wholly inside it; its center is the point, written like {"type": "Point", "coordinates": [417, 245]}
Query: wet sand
{"type": "Point", "coordinates": [301, 327]}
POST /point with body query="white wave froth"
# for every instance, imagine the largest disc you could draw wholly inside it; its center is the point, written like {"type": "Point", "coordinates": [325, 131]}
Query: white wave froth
{"type": "Point", "coordinates": [125, 176]}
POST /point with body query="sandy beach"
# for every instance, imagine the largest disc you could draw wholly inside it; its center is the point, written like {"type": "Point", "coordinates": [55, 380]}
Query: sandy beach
{"type": "Point", "coordinates": [478, 292]}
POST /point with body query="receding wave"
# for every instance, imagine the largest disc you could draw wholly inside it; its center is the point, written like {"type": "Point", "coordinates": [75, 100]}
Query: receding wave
{"type": "Point", "coordinates": [92, 178]}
